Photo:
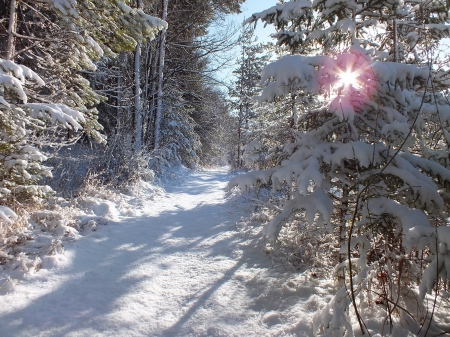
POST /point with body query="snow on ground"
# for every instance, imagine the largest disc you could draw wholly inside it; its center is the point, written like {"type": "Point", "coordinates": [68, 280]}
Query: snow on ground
{"type": "Point", "coordinates": [177, 266]}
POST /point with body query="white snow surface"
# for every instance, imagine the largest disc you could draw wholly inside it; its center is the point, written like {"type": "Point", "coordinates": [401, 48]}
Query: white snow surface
{"type": "Point", "coordinates": [182, 265]}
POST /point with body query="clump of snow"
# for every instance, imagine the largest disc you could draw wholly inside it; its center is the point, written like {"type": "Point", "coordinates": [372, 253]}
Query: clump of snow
{"type": "Point", "coordinates": [288, 10]}
{"type": "Point", "coordinates": [102, 208]}
{"type": "Point", "coordinates": [59, 113]}
{"type": "Point", "coordinates": [316, 202]}
{"type": "Point", "coordinates": [326, 75]}
{"type": "Point", "coordinates": [7, 215]}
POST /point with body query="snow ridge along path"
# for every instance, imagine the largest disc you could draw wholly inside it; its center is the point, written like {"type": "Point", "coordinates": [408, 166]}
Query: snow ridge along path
{"type": "Point", "coordinates": [182, 268]}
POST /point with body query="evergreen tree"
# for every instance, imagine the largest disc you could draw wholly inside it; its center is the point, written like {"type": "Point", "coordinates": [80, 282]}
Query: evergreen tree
{"type": "Point", "coordinates": [369, 162]}
{"type": "Point", "coordinates": [247, 74]}
{"type": "Point", "coordinates": [187, 75]}
{"type": "Point", "coordinates": [187, 78]}
{"type": "Point", "coordinates": [44, 92]}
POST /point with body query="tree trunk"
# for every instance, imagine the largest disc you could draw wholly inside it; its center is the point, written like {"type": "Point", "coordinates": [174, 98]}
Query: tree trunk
{"type": "Point", "coordinates": [146, 95]}
{"type": "Point", "coordinates": [11, 41]}
{"type": "Point", "coordinates": [120, 86]}
{"type": "Point", "coordinates": [160, 80]}
{"type": "Point", "coordinates": [239, 164]}
{"type": "Point", "coordinates": [241, 109]}
{"type": "Point", "coordinates": [150, 133]}
{"type": "Point", "coordinates": [137, 101]}
{"type": "Point", "coordinates": [395, 42]}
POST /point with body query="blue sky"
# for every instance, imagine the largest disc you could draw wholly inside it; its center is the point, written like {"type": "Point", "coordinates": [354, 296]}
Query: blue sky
{"type": "Point", "coordinates": [255, 6]}
{"type": "Point", "coordinates": [248, 8]}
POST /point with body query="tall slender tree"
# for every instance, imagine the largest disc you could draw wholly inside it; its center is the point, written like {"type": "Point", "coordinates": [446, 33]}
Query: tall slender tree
{"type": "Point", "coordinates": [162, 53]}
{"type": "Point", "coordinates": [137, 88]}
{"type": "Point", "coordinates": [252, 60]}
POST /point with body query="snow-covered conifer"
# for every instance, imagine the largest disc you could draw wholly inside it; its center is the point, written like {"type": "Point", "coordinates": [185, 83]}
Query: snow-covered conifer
{"type": "Point", "coordinates": [251, 61]}
{"type": "Point", "coordinates": [370, 159]}
{"type": "Point", "coordinates": [42, 89]}
{"type": "Point", "coordinates": [21, 121]}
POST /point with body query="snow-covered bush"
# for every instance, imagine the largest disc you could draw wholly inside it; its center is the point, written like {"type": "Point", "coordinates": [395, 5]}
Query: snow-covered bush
{"type": "Point", "coordinates": [21, 158]}
{"type": "Point", "coordinates": [370, 159]}
{"type": "Point", "coordinates": [21, 122]}
{"type": "Point", "coordinates": [44, 100]}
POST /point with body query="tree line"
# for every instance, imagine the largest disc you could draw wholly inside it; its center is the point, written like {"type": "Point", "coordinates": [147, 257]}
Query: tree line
{"type": "Point", "coordinates": [119, 90]}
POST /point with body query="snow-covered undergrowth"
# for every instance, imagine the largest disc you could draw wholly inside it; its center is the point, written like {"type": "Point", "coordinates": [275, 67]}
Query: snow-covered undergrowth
{"type": "Point", "coordinates": [310, 251]}
{"type": "Point", "coordinates": [37, 236]}
{"type": "Point", "coordinates": [191, 262]}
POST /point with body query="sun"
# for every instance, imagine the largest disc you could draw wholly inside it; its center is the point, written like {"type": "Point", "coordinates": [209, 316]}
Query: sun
{"type": "Point", "coordinates": [348, 78]}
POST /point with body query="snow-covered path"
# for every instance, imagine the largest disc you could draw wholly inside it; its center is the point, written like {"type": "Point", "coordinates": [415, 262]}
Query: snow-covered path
{"type": "Point", "coordinates": [180, 269]}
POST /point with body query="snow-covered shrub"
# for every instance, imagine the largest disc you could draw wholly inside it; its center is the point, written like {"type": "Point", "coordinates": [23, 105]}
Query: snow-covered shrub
{"type": "Point", "coordinates": [21, 160]}
{"type": "Point", "coordinates": [13, 231]}
{"type": "Point", "coordinates": [113, 165]}
{"type": "Point", "coordinates": [370, 158]}
{"type": "Point", "coordinates": [46, 93]}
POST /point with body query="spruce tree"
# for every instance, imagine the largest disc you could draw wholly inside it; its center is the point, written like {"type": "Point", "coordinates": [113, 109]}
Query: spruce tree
{"type": "Point", "coordinates": [251, 61]}
{"type": "Point", "coordinates": [370, 159]}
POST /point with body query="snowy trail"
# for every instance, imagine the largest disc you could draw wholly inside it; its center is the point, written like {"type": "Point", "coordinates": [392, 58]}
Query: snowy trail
{"type": "Point", "coordinates": [180, 269]}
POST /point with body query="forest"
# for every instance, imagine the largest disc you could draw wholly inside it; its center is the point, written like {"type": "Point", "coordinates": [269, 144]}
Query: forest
{"type": "Point", "coordinates": [330, 147]}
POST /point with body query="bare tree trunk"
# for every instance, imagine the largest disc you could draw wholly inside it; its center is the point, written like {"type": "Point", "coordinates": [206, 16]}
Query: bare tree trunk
{"type": "Point", "coordinates": [10, 43]}
{"type": "Point", "coordinates": [160, 80]}
{"type": "Point", "coordinates": [120, 86]}
{"type": "Point", "coordinates": [150, 138]}
{"type": "Point", "coordinates": [395, 42]}
{"type": "Point", "coordinates": [241, 109]}
{"type": "Point", "coordinates": [112, 144]}
{"type": "Point", "coordinates": [145, 94]}
{"type": "Point", "coordinates": [239, 164]}
{"type": "Point", "coordinates": [137, 99]}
